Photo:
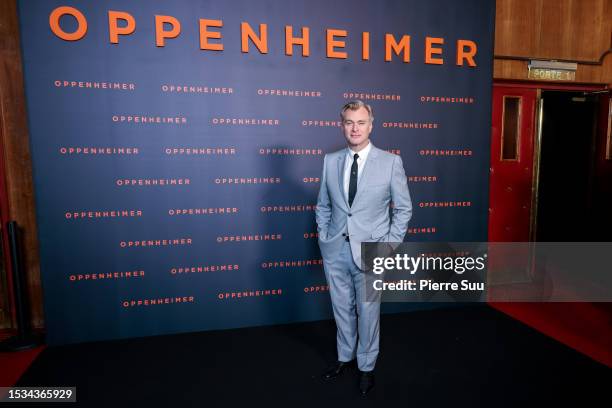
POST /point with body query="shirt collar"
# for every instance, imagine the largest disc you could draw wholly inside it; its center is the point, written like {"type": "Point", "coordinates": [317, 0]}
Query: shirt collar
{"type": "Point", "coordinates": [363, 154]}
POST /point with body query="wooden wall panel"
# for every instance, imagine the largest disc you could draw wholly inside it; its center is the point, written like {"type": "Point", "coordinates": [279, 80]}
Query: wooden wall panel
{"type": "Point", "coordinates": [17, 171]}
{"type": "Point", "coordinates": [554, 30]}
{"type": "Point", "coordinates": [572, 30]}
{"type": "Point", "coordinates": [522, 20]}
{"type": "Point", "coordinates": [589, 32]}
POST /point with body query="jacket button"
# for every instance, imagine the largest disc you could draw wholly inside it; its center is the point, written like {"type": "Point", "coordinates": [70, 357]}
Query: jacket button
{"type": "Point", "coordinates": [350, 215]}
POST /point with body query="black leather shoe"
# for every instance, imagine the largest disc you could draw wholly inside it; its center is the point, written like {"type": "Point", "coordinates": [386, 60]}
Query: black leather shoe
{"type": "Point", "coordinates": [336, 369]}
{"type": "Point", "coordinates": [366, 382]}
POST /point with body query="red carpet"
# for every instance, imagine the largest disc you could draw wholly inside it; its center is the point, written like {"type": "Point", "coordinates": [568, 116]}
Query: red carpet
{"type": "Point", "coordinates": [14, 364]}
{"type": "Point", "coordinates": [586, 327]}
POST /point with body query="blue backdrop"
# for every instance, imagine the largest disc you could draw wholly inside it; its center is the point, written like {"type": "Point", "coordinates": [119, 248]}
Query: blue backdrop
{"type": "Point", "coordinates": [175, 185]}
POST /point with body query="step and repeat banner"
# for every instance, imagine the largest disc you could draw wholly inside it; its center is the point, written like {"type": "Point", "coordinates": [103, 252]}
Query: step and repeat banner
{"type": "Point", "coordinates": [178, 148]}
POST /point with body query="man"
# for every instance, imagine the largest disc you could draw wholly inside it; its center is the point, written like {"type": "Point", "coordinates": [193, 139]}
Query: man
{"type": "Point", "coordinates": [357, 187]}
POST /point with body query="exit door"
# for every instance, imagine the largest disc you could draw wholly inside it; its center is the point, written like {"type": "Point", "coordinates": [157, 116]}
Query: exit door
{"type": "Point", "coordinates": [511, 171]}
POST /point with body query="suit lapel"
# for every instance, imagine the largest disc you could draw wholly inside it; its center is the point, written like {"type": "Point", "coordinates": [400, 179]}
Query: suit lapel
{"type": "Point", "coordinates": [370, 163]}
{"type": "Point", "coordinates": [341, 163]}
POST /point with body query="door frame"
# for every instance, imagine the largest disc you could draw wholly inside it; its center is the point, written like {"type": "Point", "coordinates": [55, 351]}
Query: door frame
{"type": "Point", "coordinates": [539, 86]}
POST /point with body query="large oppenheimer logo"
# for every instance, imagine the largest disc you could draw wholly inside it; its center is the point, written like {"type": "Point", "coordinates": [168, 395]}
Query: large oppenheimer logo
{"type": "Point", "coordinates": [122, 23]}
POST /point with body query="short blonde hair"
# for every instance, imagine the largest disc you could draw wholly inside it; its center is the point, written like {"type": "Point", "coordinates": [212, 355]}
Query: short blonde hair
{"type": "Point", "coordinates": [356, 105]}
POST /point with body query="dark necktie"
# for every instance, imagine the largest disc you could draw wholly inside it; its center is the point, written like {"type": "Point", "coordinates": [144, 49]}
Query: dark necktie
{"type": "Point", "coordinates": [353, 182]}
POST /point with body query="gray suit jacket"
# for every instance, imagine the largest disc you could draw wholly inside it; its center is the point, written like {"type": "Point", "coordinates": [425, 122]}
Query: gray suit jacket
{"type": "Point", "coordinates": [382, 181]}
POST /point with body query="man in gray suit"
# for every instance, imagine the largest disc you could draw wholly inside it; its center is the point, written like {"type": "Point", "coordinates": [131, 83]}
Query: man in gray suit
{"type": "Point", "coordinates": [358, 185]}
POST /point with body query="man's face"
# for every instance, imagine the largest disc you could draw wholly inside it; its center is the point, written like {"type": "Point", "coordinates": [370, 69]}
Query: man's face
{"type": "Point", "coordinates": [357, 127]}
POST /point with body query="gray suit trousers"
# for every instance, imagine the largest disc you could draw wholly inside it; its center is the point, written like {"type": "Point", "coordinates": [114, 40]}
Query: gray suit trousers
{"type": "Point", "coordinates": [357, 320]}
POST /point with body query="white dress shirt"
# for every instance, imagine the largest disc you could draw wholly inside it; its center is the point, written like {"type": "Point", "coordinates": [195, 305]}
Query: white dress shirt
{"type": "Point", "coordinates": [363, 156]}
